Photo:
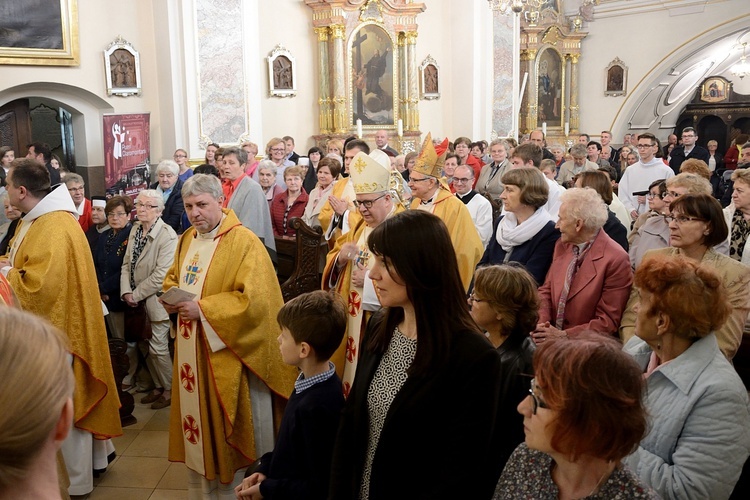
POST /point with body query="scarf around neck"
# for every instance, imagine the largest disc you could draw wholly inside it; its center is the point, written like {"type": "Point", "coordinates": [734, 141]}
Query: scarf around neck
{"type": "Point", "coordinates": [512, 234]}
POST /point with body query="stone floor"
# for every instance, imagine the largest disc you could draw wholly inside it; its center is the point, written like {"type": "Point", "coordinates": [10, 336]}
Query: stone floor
{"type": "Point", "coordinates": [141, 470]}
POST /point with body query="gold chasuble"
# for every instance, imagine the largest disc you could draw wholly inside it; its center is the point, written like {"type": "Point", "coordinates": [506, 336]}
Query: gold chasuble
{"type": "Point", "coordinates": [212, 423]}
{"type": "Point", "coordinates": [466, 241]}
{"type": "Point", "coordinates": [53, 276]}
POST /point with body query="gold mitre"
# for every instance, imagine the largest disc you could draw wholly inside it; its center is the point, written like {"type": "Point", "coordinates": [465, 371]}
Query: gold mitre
{"type": "Point", "coordinates": [368, 174]}
{"type": "Point", "coordinates": [429, 162]}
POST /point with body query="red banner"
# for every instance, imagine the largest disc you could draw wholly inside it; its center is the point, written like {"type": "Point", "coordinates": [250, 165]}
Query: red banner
{"type": "Point", "coordinates": [127, 154]}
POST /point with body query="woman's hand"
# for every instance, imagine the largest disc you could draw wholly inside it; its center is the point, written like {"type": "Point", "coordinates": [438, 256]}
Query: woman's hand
{"type": "Point", "coordinates": [544, 331]}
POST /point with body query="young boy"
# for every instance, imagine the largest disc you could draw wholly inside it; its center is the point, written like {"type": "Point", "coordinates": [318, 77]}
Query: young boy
{"type": "Point", "coordinates": [312, 327]}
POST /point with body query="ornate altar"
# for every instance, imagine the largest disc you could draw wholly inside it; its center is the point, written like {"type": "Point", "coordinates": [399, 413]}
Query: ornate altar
{"type": "Point", "coordinates": [550, 51]}
{"type": "Point", "coordinates": [368, 76]}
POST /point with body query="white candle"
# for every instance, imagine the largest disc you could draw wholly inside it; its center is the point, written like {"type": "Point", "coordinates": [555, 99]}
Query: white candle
{"type": "Point", "coordinates": [544, 128]}
{"type": "Point", "coordinates": [567, 129]}
{"type": "Point", "coordinates": [400, 127]}
{"type": "Point", "coordinates": [359, 128]}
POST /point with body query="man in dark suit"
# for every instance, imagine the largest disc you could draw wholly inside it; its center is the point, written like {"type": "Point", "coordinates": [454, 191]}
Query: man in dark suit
{"type": "Point", "coordinates": [689, 149]}
{"type": "Point", "coordinates": [41, 152]}
{"type": "Point", "coordinates": [381, 141]}
{"type": "Point", "coordinates": [290, 154]}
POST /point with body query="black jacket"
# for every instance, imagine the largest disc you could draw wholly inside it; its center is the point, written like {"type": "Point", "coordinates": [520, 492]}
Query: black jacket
{"type": "Point", "coordinates": [173, 208]}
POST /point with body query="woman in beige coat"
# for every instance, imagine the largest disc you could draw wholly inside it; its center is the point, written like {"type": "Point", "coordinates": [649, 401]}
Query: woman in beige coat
{"type": "Point", "coordinates": [150, 253]}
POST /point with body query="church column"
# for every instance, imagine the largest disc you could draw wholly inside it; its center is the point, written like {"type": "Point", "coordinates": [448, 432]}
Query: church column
{"type": "Point", "coordinates": [340, 125]}
{"type": "Point", "coordinates": [324, 101]}
{"type": "Point", "coordinates": [528, 59]}
{"type": "Point", "coordinates": [412, 116]}
{"type": "Point", "coordinates": [403, 79]}
{"type": "Point", "coordinates": [574, 93]}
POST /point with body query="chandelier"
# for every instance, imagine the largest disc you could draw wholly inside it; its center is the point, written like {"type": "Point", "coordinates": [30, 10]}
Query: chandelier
{"type": "Point", "coordinates": [742, 68]}
{"type": "Point", "coordinates": [531, 8]}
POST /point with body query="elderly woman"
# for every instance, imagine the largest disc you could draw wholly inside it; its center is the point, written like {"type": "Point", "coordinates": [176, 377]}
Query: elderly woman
{"type": "Point", "coordinates": [699, 436]}
{"type": "Point", "coordinates": [108, 256]}
{"type": "Point", "coordinates": [169, 186]}
{"type": "Point", "coordinates": [737, 217]}
{"type": "Point", "coordinates": [267, 180]}
{"type": "Point", "coordinates": [526, 232]}
{"type": "Point", "coordinates": [422, 346]}
{"type": "Point", "coordinates": [288, 204]}
{"type": "Point", "coordinates": [150, 254]}
{"type": "Point", "coordinates": [328, 170]}
{"type": "Point", "coordinates": [715, 159]}
{"type": "Point", "coordinates": [252, 164]}
{"type": "Point", "coordinates": [490, 177]}
{"type": "Point", "coordinates": [37, 403]}
{"type": "Point", "coordinates": [276, 152]}
{"type": "Point", "coordinates": [181, 158]}
{"type": "Point", "coordinates": [589, 281]}
{"type": "Point", "coordinates": [583, 415]}
{"type": "Point", "coordinates": [505, 304]}
{"type": "Point", "coordinates": [696, 226]}
{"type": "Point", "coordinates": [8, 229]}
{"type": "Point", "coordinates": [654, 233]}
{"type": "Point", "coordinates": [599, 182]}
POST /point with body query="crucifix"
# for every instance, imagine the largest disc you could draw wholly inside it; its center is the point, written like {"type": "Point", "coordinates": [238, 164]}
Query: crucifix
{"type": "Point", "coordinates": [356, 44]}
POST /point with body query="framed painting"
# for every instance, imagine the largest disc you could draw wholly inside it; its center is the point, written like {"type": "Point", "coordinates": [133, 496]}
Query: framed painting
{"type": "Point", "coordinates": [549, 87]}
{"type": "Point", "coordinates": [122, 65]}
{"type": "Point", "coordinates": [616, 78]}
{"type": "Point", "coordinates": [39, 33]}
{"type": "Point", "coordinates": [429, 75]}
{"type": "Point", "coordinates": [282, 73]}
{"type": "Point", "coordinates": [715, 89]}
{"type": "Point", "coordinates": [372, 75]}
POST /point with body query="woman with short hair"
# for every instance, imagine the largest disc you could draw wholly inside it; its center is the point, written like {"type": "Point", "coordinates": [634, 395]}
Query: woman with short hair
{"type": "Point", "coordinates": [525, 233]}
{"type": "Point", "coordinates": [276, 152]}
{"type": "Point", "coordinates": [583, 415]}
{"type": "Point", "coordinates": [150, 254]}
{"type": "Point", "coordinates": [599, 182]}
{"type": "Point", "coordinates": [490, 177]}
{"type": "Point", "coordinates": [698, 407]}
{"type": "Point", "coordinates": [169, 185]}
{"type": "Point", "coordinates": [409, 161]}
{"type": "Point", "coordinates": [288, 204]}
{"type": "Point", "coordinates": [328, 170]}
{"type": "Point", "coordinates": [267, 180]}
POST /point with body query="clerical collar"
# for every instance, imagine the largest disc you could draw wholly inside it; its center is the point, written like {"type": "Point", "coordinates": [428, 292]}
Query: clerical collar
{"type": "Point", "coordinates": [466, 198]}
{"type": "Point", "coordinates": [212, 233]}
{"type": "Point", "coordinates": [431, 199]}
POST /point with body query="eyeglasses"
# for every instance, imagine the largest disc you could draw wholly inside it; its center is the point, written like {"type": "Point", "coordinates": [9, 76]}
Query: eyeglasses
{"type": "Point", "coordinates": [412, 179]}
{"type": "Point", "coordinates": [278, 150]}
{"type": "Point", "coordinates": [643, 146]}
{"type": "Point", "coordinates": [672, 194]}
{"type": "Point", "coordinates": [535, 400]}
{"type": "Point", "coordinates": [681, 219]}
{"type": "Point", "coordinates": [473, 298]}
{"type": "Point", "coordinates": [367, 203]}
{"type": "Point", "coordinates": [138, 204]}
{"type": "Point", "coordinates": [73, 190]}
{"type": "Point", "coordinates": [459, 180]}
{"type": "Point", "coordinates": [117, 214]}
{"type": "Point", "coordinates": [651, 196]}
{"type": "Point", "coordinates": [180, 156]}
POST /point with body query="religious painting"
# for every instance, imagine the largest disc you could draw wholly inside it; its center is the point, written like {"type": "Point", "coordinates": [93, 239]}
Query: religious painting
{"type": "Point", "coordinates": [429, 73]}
{"type": "Point", "coordinates": [122, 65]}
{"type": "Point", "coordinates": [39, 32]}
{"type": "Point", "coordinates": [372, 66]}
{"type": "Point", "coordinates": [282, 73]}
{"type": "Point", "coordinates": [549, 87]}
{"type": "Point", "coordinates": [615, 78]}
{"type": "Point", "coordinates": [715, 89]}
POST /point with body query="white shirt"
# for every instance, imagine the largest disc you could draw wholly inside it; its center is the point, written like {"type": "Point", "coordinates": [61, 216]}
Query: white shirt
{"type": "Point", "coordinates": [481, 213]}
{"type": "Point", "coordinates": [638, 177]}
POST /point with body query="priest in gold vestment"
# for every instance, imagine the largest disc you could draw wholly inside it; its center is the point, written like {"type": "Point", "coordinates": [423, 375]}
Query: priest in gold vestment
{"type": "Point", "coordinates": [348, 264]}
{"type": "Point", "coordinates": [430, 193]}
{"type": "Point", "coordinates": [57, 281]}
{"type": "Point", "coordinates": [226, 351]}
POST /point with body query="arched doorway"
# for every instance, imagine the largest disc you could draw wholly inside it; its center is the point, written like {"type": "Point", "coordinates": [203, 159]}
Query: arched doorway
{"type": "Point", "coordinates": [713, 128]}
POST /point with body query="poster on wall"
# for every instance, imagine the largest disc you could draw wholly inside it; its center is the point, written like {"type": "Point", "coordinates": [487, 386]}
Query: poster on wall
{"type": "Point", "coordinates": [127, 152]}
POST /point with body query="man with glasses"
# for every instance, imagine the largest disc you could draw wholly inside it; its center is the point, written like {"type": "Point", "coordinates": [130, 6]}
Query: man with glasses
{"type": "Point", "coordinates": [688, 149]}
{"type": "Point", "coordinates": [479, 207]}
{"type": "Point", "coordinates": [431, 194]}
{"type": "Point", "coordinates": [53, 276]}
{"type": "Point", "coordinates": [348, 264]}
{"type": "Point", "coordinates": [74, 183]}
{"type": "Point", "coordinates": [639, 176]}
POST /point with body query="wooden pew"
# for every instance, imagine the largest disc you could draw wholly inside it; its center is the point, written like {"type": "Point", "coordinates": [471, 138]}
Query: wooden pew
{"type": "Point", "coordinates": [299, 260]}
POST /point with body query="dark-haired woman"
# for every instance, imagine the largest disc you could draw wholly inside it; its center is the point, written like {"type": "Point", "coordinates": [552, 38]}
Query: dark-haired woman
{"type": "Point", "coordinates": [583, 415]}
{"type": "Point", "coordinates": [420, 420]}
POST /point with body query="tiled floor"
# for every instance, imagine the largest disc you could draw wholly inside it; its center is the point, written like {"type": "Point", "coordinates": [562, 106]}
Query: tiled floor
{"type": "Point", "coordinates": [141, 470]}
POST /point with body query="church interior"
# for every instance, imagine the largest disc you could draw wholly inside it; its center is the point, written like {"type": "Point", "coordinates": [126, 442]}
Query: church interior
{"type": "Point", "coordinates": [230, 71]}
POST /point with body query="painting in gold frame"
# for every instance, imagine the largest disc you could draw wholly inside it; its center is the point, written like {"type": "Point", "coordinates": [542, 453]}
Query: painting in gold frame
{"type": "Point", "coordinates": [715, 89]}
{"type": "Point", "coordinates": [30, 36]}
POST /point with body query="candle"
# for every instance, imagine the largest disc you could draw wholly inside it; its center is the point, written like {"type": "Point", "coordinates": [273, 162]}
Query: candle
{"type": "Point", "coordinates": [400, 127]}
{"type": "Point", "coordinates": [359, 128]}
{"type": "Point", "coordinates": [567, 129]}
{"type": "Point", "coordinates": [544, 128]}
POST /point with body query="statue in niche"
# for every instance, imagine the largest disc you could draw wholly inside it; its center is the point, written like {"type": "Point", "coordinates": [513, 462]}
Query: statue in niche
{"type": "Point", "coordinates": [282, 73]}
{"type": "Point", "coordinates": [122, 65]}
{"type": "Point", "coordinates": [430, 79]}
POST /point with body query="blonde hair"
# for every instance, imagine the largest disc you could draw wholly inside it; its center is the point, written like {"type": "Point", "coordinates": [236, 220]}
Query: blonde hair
{"type": "Point", "coordinates": [694, 183]}
{"type": "Point", "coordinates": [696, 166]}
{"type": "Point", "coordinates": [37, 382]}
